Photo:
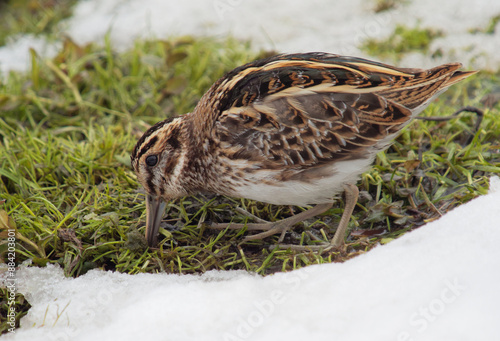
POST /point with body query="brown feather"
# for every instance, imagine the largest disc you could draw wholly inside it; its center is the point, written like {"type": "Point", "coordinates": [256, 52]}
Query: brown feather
{"type": "Point", "coordinates": [287, 118]}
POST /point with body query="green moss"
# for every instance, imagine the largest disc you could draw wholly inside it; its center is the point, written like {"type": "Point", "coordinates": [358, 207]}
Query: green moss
{"type": "Point", "coordinates": [489, 28]}
{"type": "Point", "coordinates": [401, 41]}
{"type": "Point", "coordinates": [20, 306]}
{"type": "Point", "coordinates": [32, 16]}
{"type": "Point", "coordinates": [387, 5]}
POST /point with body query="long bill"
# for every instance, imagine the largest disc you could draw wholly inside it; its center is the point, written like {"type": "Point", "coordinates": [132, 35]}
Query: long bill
{"type": "Point", "coordinates": [154, 212]}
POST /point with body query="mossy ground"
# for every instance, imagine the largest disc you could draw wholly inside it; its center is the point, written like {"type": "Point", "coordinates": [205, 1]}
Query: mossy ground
{"type": "Point", "coordinates": [68, 126]}
{"type": "Point", "coordinates": [36, 17]}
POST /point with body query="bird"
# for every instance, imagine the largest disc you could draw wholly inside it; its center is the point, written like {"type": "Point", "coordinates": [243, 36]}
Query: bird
{"type": "Point", "coordinates": [292, 129]}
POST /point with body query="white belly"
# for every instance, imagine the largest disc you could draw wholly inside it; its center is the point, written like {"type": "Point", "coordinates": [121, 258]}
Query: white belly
{"type": "Point", "coordinates": [261, 185]}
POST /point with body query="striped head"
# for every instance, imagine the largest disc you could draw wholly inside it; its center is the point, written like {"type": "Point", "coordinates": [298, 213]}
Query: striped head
{"type": "Point", "coordinates": [157, 160]}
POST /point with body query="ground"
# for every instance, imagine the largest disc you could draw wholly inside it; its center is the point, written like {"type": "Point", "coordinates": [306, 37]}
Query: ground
{"type": "Point", "coordinates": [68, 125]}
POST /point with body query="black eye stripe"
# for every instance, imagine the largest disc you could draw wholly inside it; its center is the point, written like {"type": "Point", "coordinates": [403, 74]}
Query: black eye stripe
{"type": "Point", "coordinates": [169, 167]}
{"type": "Point", "coordinates": [173, 141]}
{"type": "Point", "coordinates": [136, 153]}
{"type": "Point", "coordinates": [150, 144]}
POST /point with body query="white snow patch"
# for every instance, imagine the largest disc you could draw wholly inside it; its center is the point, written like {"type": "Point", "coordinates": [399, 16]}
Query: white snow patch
{"type": "Point", "coordinates": [439, 282]}
{"type": "Point", "coordinates": [299, 26]}
{"type": "Point", "coordinates": [15, 55]}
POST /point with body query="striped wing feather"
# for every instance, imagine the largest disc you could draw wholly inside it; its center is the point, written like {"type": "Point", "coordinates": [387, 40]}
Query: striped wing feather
{"type": "Point", "coordinates": [298, 111]}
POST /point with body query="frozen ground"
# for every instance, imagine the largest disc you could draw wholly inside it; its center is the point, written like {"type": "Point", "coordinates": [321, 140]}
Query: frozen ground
{"type": "Point", "coordinates": [439, 282]}
{"type": "Point", "coordinates": [315, 25]}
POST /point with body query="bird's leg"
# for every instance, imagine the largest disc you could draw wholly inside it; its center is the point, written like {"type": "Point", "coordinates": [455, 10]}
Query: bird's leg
{"type": "Point", "coordinates": [351, 197]}
{"type": "Point", "coordinates": [272, 228]}
{"type": "Point", "coordinates": [285, 224]}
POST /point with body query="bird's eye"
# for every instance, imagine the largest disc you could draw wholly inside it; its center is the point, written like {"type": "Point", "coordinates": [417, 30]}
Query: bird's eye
{"type": "Point", "coordinates": [152, 160]}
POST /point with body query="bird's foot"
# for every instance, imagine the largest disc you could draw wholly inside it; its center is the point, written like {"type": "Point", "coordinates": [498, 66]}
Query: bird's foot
{"type": "Point", "coordinates": [272, 228]}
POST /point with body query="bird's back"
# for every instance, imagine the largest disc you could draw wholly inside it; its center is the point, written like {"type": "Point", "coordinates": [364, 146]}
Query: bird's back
{"type": "Point", "coordinates": [292, 129]}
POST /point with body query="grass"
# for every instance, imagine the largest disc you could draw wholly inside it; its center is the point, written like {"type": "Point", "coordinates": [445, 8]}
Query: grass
{"type": "Point", "coordinates": [68, 126]}
{"type": "Point", "coordinates": [403, 40]}
{"type": "Point", "coordinates": [387, 5]}
{"type": "Point", "coordinates": [490, 26]}
{"type": "Point", "coordinates": [32, 16]}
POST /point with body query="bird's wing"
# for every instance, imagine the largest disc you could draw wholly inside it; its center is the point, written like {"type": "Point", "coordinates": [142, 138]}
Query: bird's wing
{"type": "Point", "coordinates": [296, 111]}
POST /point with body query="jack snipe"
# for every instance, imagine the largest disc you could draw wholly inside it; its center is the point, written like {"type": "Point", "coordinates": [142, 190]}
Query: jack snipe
{"type": "Point", "coordinates": [293, 129]}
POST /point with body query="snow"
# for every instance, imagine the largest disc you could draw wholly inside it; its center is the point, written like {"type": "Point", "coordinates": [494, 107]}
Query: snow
{"type": "Point", "coordinates": [314, 25]}
{"type": "Point", "coordinates": [15, 56]}
{"type": "Point", "coordinates": [439, 282]}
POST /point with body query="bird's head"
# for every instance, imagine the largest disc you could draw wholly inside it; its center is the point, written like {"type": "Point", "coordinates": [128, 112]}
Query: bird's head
{"type": "Point", "coordinates": [157, 160]}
